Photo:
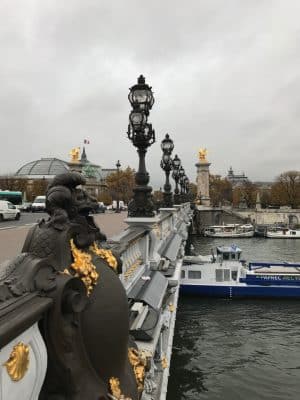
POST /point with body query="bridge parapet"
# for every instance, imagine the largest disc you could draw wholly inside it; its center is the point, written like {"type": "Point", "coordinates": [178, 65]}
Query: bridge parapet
{"type": "Point", "coordinates": [81, 317]}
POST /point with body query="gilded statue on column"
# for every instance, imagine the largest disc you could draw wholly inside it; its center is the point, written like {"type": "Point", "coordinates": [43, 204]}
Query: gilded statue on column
{"type": "Point", "coordinates": [75, 153]}
{"type": "Point", "coordinates": [202, 155]}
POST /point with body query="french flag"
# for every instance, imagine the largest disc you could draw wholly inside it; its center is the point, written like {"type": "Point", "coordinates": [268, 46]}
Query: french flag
{"type": "Point", "coordinates": [86, 141]}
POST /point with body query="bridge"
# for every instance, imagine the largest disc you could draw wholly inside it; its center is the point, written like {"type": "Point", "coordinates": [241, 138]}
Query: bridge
{"type": "Point", "coordinates": [83, 316]}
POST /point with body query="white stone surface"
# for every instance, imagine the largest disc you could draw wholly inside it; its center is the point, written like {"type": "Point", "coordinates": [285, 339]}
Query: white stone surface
{"type": "Point", "coordinates": [28, 388]}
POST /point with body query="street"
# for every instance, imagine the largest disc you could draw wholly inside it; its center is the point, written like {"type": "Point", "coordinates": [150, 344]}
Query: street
{"type": "Point", "coordinates": [13, 233]}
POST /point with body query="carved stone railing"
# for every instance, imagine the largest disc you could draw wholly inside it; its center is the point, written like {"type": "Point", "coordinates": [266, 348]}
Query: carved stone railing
{"type": "Point", "coordinates": [82, 317]}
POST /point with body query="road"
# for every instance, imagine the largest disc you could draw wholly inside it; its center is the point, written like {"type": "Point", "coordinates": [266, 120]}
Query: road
{"type": "Point", "coordinates": [13, 233]}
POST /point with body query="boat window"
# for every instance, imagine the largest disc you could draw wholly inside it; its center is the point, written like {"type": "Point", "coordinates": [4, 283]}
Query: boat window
{"type": "Point", "coordinates": [182, 274]}
{"type": "Point", "coordinates": [194, 274]}
{"type": "Point", "coordinates": [293, 233]}
{"type": "Point", "coordinates": [225, 256]}
{"type": "Point", "coordinates": [226, 274]}
{"type": "Point", "coordinates": [234, 275]}
{"type": "Point", "coordinates": [219, 275]}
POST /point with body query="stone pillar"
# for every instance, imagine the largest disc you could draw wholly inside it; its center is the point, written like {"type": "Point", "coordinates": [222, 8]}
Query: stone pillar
{"type": "Point", "coordinates": [203, 178]}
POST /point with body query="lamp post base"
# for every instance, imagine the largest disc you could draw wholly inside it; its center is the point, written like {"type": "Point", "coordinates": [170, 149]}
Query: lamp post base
{"type": "Point", "coordinates": [177, 199]}
{"type": "Point", "coordinates": [141, 205]}
{"type": "Point", "coordinates": [168, 200]}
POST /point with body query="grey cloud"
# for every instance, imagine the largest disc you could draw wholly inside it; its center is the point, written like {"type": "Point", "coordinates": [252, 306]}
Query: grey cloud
{"type": "Point", "coordinates": [225, 76]}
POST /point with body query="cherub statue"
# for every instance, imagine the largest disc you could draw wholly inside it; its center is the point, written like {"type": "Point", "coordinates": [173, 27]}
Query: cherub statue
{"type": "Point", "coordinates": [202, 154]}
{"type": "Point", "coordinates": [75, 153]}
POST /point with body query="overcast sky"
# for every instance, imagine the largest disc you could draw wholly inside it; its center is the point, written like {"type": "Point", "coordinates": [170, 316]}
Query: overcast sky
{"type": "Point", "coordinates": [226, 76]}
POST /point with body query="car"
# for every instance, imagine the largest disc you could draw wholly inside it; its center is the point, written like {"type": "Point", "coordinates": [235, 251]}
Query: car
{"type": "Point", "coordinates": [39, 204]}
{"type": "Point", "coordinates": [26, 206]}
{"type": "Point", "coordinates": [8, 211]}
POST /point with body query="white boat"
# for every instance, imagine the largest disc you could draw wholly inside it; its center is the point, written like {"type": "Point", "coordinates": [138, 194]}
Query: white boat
{"type": "Point", "coordinates": [229, 230]}
{"type": "Point", "coordinates": [283, 233]}
{"type": "Point", "coordinates": [227, 276]}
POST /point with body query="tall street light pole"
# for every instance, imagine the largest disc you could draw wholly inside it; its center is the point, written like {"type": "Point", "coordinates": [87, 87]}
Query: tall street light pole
{"type": "Point", "coordinates": [166, 164]}
{"type": "Point", "coordinates": [118, 165]}
{"type": "Point", "coordinates": [175, 176]}
{"type": "Point", "coordinates": [142, 135]}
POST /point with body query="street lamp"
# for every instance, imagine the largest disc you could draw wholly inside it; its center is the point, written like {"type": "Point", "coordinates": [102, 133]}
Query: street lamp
{"type": "Point", "coordinates": [118, 165]}
{"type": "Point", "coordinates": [142, 135]}
{"type": "Point", "coordinates": [167, 147]}
{"type": "Point", "coordinates": [175, 176]}
{"type": "Point", "coordinates": [181, 182]}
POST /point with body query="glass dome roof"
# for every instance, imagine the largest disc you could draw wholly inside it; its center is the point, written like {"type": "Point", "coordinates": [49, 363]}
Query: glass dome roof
{"type": "Point", "coordinates": [44, 167]}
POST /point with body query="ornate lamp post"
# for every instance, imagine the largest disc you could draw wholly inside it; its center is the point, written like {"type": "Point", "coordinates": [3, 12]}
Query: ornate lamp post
{"type": "Point", "coordinates": [166, 164]}
{"type": "Point", "coordinates": [142, 135]}
{"type": "Point", "coordinates": [181, 183]}
{"type": "Point", "coordinates": [118, 165]}
{"type": "Point", "coordinates": [175, 176]}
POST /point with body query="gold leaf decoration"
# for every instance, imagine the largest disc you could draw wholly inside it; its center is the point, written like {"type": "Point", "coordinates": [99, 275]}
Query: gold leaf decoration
{"type": "Point", "coordinates": [130, 270]}
{"type": "Point", "coordinates": [84, 268]}
{"type": "Point", "coordinates": [138, 362]}
{"type": "Point", "coordinates": [115, 389]}
{"type": "Point", "coordinates": [164, 362]}
{"type": "Point", "coordinates": [106, 255]}
{"type": "Point", "coordinates": [18, 362]}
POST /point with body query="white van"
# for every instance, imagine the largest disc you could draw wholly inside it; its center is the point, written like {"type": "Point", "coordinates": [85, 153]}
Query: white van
{"type": "Point", "coordinates": [8, 211]}
{"type": "Point", "coordinates": [39, 204]}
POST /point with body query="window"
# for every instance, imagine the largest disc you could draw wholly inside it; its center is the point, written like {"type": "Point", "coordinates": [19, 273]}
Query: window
{"type": "Point", "coordinates": [232, 256]}
{"type": "Point", "coordinates": [234, 275]}
{"type": "Point", "coordinates": [226, 274]}
{"type": "Point", "coordinates": [182, 274]}
{"type": "Point", "coordinates": [194, 274]}
{"type": "Point", "coordinates": [225, 256]}
{"type": "Point", "coordinates": [219, 275]}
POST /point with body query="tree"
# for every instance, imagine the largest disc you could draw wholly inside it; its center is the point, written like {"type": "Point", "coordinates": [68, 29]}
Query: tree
{"type": "Point", "coordinates": [286, 189]}
{"type": "Point", "coordinates": [220, 190]}
{"type": "Point", "coordinates": [245, 193]}
{"type": "Point", "coordinates": [120, 184]}
{"type": "Point", "coordinates": [192, 191]}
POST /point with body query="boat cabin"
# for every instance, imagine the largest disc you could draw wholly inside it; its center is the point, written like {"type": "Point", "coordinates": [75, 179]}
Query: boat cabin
{"type": "Point", "coordinates": [226, 266]}
{"type": "Point", "coordinates": [227, 253]}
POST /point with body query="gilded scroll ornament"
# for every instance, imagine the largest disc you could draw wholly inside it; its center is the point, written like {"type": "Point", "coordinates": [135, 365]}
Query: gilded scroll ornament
{"type": "Point", "coordinates": [18, 362]}
{"type": "Point", "coordinates": [106, 255]}
{"type": "Point", "coordinates": [116, 391]}
{"type": "Point", "coordinates": [138, 362]}
{"type": "Point", "coordinates": [84, 268]}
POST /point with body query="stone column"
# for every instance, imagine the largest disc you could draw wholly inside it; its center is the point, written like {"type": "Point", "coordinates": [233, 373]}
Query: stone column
{"type": "Point", "coordinates": [203, 178]}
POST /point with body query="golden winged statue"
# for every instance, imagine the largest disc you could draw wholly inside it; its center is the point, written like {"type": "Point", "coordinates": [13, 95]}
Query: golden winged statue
{"type": "Point", "coordinates": [75, 153]}
{"type": "Point", "coordinates": [202, 154]}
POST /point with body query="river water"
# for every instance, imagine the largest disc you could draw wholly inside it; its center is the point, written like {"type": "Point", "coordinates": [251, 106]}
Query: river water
{"type": "Point", "coordinates": [238, 349]}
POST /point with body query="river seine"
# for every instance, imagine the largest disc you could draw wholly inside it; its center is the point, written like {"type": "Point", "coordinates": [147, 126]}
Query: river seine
{"type": "Point", "coordinates": [238, 349]}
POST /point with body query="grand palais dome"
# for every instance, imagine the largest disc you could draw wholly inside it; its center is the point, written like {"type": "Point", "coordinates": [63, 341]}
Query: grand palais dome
{"type": "Point", "coordinates": [44, 168]}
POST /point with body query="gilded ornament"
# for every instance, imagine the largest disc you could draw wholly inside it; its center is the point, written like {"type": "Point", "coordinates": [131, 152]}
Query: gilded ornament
{"type": "Point", "coordinates": [132, 268]}
{"type": "Point", "coordinates": [106, 255]}
{"type": "Point", "coordinates": [156, 230]}
{"type": "Point", "coordinates": [84, 268]}
{"type": "Point", "coordinates": [75, 153]}
{"type": "Point", "coordinates": [138, 362]}
{"type": "Point", "coordinates": [164, 362]}
{"type": "Point", "coordinates": [202, 154]}
{"type": "Point", "coordinates": [116, 391]}
{"type": "Point", "coordinates": [18, 362]}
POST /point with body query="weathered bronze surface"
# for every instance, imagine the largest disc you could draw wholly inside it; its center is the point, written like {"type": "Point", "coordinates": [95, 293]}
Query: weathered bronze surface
{"type": "Point", "coordinates": [68, 278]}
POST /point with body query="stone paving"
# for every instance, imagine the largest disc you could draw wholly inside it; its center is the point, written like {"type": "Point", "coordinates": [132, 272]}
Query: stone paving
{"type": "Point", "coordinates": [11, 240]}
